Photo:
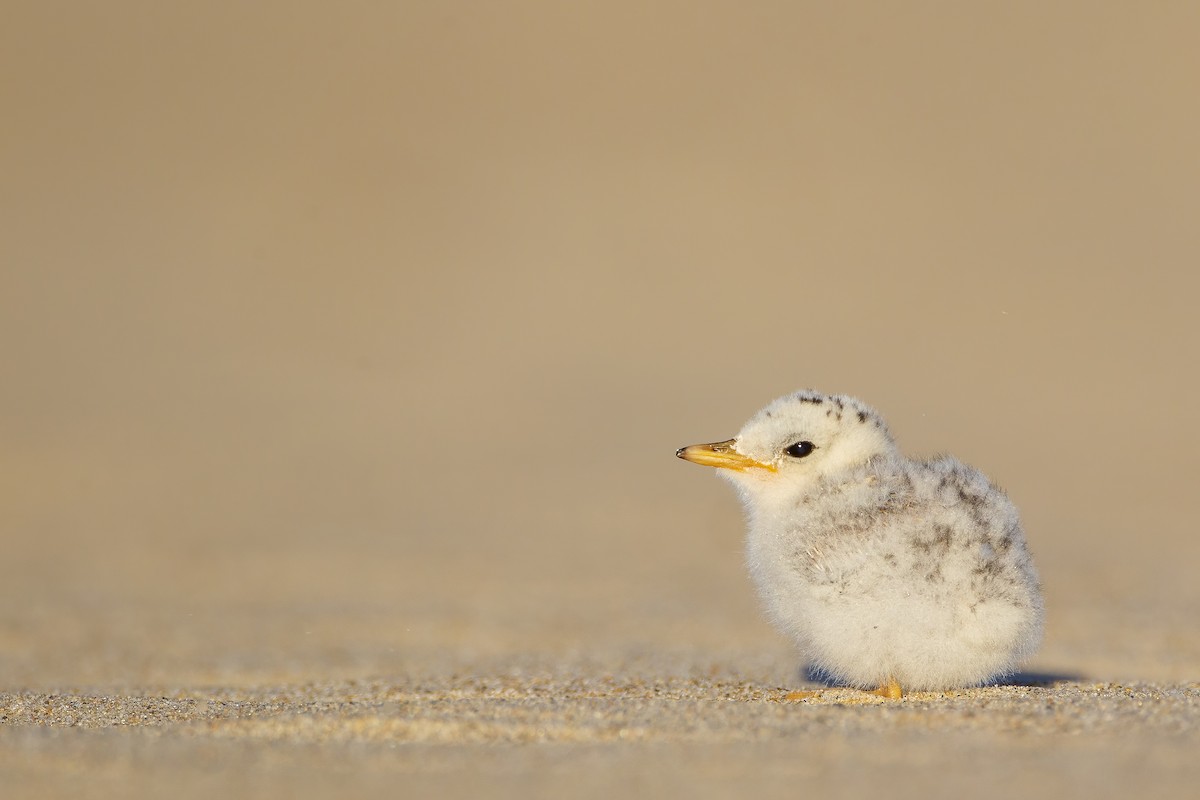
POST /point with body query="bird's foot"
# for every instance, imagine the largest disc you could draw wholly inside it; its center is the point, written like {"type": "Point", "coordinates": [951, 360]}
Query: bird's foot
{"type": "Point", "coordinates": [889, 691]}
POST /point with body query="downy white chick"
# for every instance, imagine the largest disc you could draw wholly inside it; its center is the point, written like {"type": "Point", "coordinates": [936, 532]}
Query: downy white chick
{"type": "Point", "coordinates": [891, 574]}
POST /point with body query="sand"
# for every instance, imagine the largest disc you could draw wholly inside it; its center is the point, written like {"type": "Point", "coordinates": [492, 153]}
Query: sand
{"type": "Point", "coordinates": [507, 735]}
{"type": "Point", "coordinates": [346, 352]}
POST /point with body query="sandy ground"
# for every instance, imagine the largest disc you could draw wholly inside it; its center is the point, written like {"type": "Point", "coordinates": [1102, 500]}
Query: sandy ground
{"type": "Point", "coordinates": [345, 353]}
{"type": "Point", "coordinates": [512, 736]}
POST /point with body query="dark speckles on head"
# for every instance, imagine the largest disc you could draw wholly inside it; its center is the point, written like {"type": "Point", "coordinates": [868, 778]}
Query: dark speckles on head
{"type": "Point", "coordinates": [938, 543]}
{"type": "Point", "coordinates": [989, 568]}
{"type": "Point", "coordinates": [808, 398]}
{"type": "Point", "coordinates": [862, 416]}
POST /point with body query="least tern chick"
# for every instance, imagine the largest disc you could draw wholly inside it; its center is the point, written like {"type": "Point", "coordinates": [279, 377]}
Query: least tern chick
{"type": "Point", "coordinates": [889, 573]}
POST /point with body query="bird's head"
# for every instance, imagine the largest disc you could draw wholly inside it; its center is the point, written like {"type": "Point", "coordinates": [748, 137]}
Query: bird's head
{"type": "Point", "coordinates": [793, 442]}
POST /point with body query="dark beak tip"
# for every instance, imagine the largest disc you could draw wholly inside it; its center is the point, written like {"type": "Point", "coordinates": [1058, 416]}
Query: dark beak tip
{"type": "Point", "coordinates": [679, 452]}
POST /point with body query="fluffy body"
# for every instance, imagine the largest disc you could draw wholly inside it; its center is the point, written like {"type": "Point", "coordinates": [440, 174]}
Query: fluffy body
{"type": "Point", "coordinates": [881, 567]}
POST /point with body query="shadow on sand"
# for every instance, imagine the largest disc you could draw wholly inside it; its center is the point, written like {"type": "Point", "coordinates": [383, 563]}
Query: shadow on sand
{"type": "Point", "coordinates": [813, 675]}
{"type": "Point", "coordinates": [1042, 679]}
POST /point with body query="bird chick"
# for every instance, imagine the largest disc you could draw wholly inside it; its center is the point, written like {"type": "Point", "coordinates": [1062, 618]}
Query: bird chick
{"type": "Point", "coordinates": [891, 574]}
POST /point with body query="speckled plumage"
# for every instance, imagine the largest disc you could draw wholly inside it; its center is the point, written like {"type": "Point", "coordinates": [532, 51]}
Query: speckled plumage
{"type": "Point", "coordinates": [881, 568]}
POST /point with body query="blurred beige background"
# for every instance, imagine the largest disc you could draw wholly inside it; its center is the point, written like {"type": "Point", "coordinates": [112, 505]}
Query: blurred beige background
{"type": "Point", "coordinates": [356, 339]}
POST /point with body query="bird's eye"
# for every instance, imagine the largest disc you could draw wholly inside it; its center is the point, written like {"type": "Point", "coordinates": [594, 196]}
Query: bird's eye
{"type": "Point", "coordinates": [800, 449]}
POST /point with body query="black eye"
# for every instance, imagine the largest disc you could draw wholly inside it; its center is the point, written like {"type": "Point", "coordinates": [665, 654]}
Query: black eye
{"type": "Point", "coordinates": [800, 449]}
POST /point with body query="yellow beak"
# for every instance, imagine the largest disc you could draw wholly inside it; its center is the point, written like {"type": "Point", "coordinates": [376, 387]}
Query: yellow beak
{"type": "Point", "coordinates": [720, 454]}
